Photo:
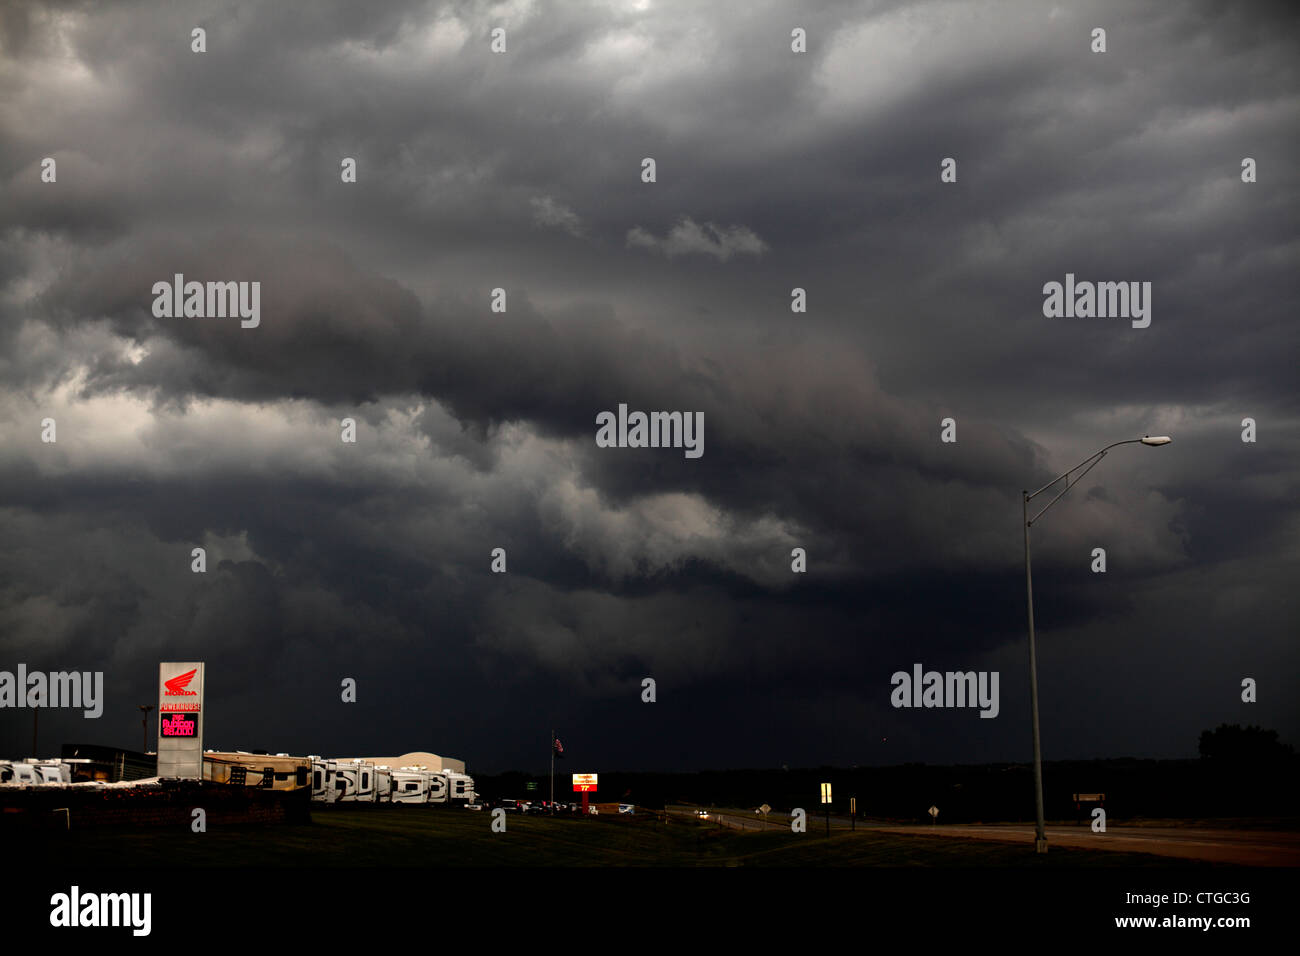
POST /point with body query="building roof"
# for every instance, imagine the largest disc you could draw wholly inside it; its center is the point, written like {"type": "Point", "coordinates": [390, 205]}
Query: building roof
{"type": "Point", "coordinates": [419, 758]}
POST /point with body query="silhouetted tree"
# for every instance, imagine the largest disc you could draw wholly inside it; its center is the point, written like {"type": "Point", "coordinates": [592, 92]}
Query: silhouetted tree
{"type": "Point", "coordinates": [1232, 743]}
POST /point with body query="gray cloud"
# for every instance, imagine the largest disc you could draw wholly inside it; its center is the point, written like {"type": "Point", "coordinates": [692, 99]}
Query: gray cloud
{"type": "Point", "coordinates": [689, 238]}
{"type": "Point", "coordinates": [548, 212]}
{"type": "Point", "coordinates": [521, 171]}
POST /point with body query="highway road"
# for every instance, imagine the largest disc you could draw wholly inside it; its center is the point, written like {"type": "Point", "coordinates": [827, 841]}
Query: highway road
{"type": "Point", "coordinates": [736, 819]}
{"type": "Point", "coordinates": [1244, 847]}
{"type": "Point", "coordinates": [1241, 847]}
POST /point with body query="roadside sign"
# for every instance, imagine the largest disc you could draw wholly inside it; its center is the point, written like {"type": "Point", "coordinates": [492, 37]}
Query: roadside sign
{"type": "Point", "coordinates": [584, 782]}
{"type": "Point", "coordinates": [826, 793]}
{"type": "Point", "coordinates": [765, 809]}
{"type": "Point", "coordinates": [934, 812]}
{"type": "Point", "coordinates": [180, 719]}
{"type": "Point", "coordinates": [530, 785]}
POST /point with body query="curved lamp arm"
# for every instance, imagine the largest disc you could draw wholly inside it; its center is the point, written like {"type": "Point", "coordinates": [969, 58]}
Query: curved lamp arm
{"type": "Point", "coordinates": [1093, 459]}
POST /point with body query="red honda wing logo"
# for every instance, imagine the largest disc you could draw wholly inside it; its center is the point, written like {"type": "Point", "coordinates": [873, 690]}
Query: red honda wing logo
{"type": "Point", "coordinates": [176, 686]}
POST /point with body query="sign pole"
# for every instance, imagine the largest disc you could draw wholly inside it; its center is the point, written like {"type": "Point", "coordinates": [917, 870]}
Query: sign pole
{"type": "Point", "coordinates": [552, 770]}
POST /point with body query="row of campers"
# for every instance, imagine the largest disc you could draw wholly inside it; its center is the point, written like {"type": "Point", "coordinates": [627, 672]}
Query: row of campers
{"type": "Point", "coordinates": [33, 772]}
{"type": "Point", "coordinates": [361, 781]}
{"type": "Point", "coordinates": [354, 780]}
{"type": "Point", "coordinates": [237, 768]}
{"type": "Point", "coordinates": [351, 780]}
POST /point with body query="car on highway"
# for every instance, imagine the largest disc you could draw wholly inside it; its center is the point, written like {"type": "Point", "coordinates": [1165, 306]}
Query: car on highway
{"type": "Point", "coordinates": [626, 808]}
{"type": "Point", "coordinates": [702, 814]}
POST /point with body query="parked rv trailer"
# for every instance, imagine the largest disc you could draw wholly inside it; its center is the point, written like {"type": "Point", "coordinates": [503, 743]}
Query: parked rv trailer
{"type": "Point", "coordinates": [19, 773]}
{"type": "Point", "coordinates": [438, 787]}
{"type": "Point", "coordinates": [383, 785]}
{"type": "Point", "coordinates": [52, 771]}
{"type": "Point", "coordinates": [355, 781]}
{"type": "Point", "coordinates": [322, 780]}
{"type": "Point", "coordinates": [266, 771]}
{"type": "Point", "coordinates": [411, 785]}
{"type": "Point", "coordinates": [461, 789]}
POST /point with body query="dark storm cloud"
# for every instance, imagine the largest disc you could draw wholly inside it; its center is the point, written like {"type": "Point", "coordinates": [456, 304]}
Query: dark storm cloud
{"type": "Point", "coordinates": [821, 429]}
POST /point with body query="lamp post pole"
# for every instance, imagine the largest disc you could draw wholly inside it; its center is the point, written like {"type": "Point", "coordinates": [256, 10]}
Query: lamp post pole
{"type": "Point", "coordinates": [1040, 830]}
{"type": "Point", "coordinates": [1040, 834]}
{"type": "Point", "coordinates": [144, 722]}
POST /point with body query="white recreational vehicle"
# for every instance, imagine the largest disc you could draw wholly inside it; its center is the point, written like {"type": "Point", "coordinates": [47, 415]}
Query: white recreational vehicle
{"type": "Point", "coordinates": [19, 773]}
{"type": "Point", "coordinates": [52, 771]}
{"type": "Point", "coordinates": [438, 788]}
{"type": "Point", "coordinates": [355, 781]}
{"type": "Point", "coordinates": [383, 785]}
{"type": "Point", "coordinates": [411, 785]}
{"type": "Point", "coordinates": [322, 780]}
{"type": "Point", "coordinates": [461, 787]}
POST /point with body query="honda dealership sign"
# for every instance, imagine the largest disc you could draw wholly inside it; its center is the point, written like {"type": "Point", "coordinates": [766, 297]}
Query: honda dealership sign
{"type": "Point", "coordinates": [180, 720]}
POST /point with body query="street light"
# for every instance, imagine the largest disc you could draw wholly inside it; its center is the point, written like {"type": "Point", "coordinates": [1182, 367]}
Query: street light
{"type": "Point", "coordinates": [1040, 839]}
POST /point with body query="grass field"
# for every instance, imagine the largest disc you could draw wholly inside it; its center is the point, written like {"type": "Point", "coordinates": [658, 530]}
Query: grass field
{"type": "Point", "coordinates": [412, 836]}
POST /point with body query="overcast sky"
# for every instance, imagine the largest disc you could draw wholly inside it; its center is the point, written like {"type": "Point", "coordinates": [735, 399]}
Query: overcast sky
{"type": "Point", "coordinates": [476, 430]}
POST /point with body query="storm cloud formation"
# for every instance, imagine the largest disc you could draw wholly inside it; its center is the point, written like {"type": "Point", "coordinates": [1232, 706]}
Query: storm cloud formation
{"type": "Point", "coordinates": [775, 170]}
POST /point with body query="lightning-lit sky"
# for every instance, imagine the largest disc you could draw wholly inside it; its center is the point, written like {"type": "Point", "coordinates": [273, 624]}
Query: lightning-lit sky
{"type": "Point", "coordinates": [475, 429]}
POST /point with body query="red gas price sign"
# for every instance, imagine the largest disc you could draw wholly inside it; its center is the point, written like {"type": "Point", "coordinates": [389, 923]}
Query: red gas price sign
{"type": "Point", "coordinates": [584, 783]}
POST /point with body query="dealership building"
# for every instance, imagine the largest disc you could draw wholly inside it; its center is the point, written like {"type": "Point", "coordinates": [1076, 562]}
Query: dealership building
{"type": "Point", "coordinates": [419, 758]}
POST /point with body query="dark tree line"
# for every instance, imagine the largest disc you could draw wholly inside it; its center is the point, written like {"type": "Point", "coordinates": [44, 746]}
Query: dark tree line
{"type": "Point", "coordinates": [1232, 743]}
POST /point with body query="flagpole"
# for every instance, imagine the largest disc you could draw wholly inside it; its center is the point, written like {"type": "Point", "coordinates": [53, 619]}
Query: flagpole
{"type": "Point", "coordinates": [552, 771]}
